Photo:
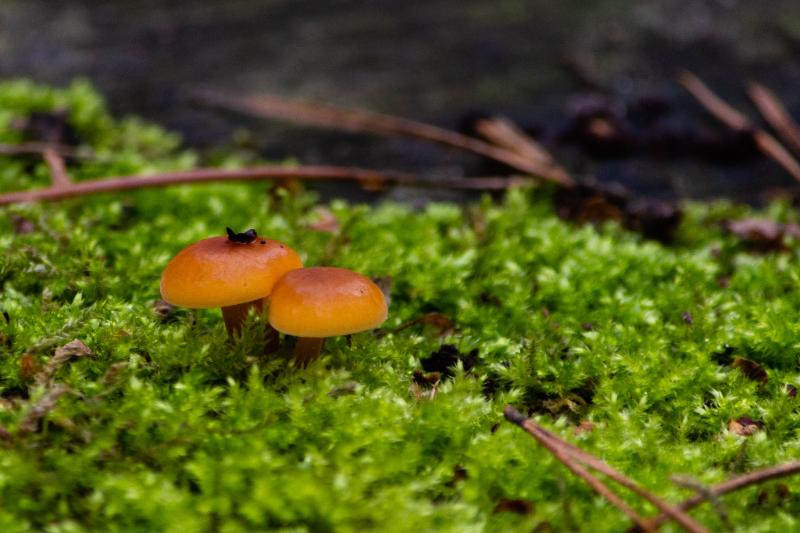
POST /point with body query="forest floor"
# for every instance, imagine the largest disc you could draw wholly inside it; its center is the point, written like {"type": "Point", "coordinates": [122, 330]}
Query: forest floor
{"type": "Point", "coordinates": [663, 360]}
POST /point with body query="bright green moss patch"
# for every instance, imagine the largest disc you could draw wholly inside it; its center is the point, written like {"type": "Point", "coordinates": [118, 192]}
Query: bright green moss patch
{"type": "Point", "coordinates": [168, 426]}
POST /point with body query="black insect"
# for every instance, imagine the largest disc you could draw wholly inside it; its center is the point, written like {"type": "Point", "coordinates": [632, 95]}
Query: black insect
{"type": "Point", "coordinates": [242, 238]}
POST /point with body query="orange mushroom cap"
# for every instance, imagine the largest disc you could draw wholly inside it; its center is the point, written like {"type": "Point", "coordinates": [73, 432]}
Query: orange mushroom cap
{"type": "Point", "coordinates": [325, 302]}
{"type": "Point", "coordinates": [217, 272]}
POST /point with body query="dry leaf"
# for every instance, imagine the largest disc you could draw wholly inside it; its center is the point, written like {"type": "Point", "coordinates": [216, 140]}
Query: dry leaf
{"type": "Point", "coordinates": [745, 426]}
{"type": "Point", "coordinates": [516, 505]}
{"type": "Point", "coordinates": [590, 203]}
{"type": "Point", "coordinates": [426, 380]}
{"type": "Point", "coordinates": [762, 234]}
{"type": "Point", "coordinates": [585, 426]}
{"type": "Point", "coordinates": [163, 310]}
{"type": "Point", "coordinates": [446, 357]}
{"type": "Point", "coordinates": [28, 366]}
{"type": "Point", "coordinates": [751, 370]}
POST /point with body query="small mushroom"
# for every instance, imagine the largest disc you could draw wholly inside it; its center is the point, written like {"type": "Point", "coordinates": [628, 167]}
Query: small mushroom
{"type": "Point", "coordinates": [319, 302]}
{"type": "Point", "coordinates": [234, 272]}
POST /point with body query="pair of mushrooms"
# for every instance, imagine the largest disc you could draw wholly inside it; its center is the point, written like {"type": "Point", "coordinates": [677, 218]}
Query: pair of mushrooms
{"type": "Point", "coordinates": [241, 270]}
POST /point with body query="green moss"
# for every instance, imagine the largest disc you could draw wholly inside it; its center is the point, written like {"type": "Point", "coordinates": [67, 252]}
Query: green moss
{"type": "Point", "coordinates": [169, 426]}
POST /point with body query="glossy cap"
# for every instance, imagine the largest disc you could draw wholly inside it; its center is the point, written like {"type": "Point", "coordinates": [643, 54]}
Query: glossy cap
{"type": "Point", "coordinates": [218, 272]}
{"type": "Point", "coordinates": [325, 302]}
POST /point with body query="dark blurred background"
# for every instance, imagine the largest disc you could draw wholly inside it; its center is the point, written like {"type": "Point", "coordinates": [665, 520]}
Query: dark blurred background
{"type": "Point", "coordinates": [542, 63]}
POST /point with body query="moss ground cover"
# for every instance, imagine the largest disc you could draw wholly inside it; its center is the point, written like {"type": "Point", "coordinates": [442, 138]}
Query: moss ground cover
{"type": "Point", "coordinates": [167, 425]}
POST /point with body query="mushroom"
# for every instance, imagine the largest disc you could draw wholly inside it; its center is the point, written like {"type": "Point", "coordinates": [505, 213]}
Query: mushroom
{"type": "Point", "coordinates": [319, 302]}
{"type": "Point", "coordinates": [234, 272]}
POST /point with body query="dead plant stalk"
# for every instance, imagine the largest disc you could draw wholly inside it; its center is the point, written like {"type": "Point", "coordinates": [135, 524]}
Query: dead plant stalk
{"type": "Point", "coordinates": [569, 453]}
{"type": "Point", "coordinates": [365, 177]}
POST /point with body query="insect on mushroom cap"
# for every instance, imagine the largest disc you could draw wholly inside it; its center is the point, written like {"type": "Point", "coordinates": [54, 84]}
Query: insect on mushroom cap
{"type": "Point", "coordinates": [326, 302]}
{"type": "Point", "coordinates": [224, 271]}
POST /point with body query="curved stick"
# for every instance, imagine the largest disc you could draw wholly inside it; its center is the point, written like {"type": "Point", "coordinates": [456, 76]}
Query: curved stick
{"type": "Point", "coordinates": [362, 176]}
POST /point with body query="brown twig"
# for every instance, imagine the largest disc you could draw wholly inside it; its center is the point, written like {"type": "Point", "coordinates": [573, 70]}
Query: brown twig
{"type": "Point", "coordinates": [58, 170]}
{"type": "Point", "coordinates": [503, 132]}
{"type": "Point", "coordinates": [695, 485]}
{"type": "Point", "coordinates": [766, 143]}
{"type": "Point", "coordinates": [672, 511]}
{"type": "Point", "coordinates": [365, 177]}
{"type": "Point", "coordinates": [275, 107]}
{"type": "Point", "coordinates": [733, 484]}
{"type": "Point", "coordinates": [560, 453]}
{"type": "Point", "coordinates": [776, 115]}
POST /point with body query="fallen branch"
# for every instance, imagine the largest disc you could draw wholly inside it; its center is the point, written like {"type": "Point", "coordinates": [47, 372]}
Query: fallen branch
{"type": "Point", "coordinates": [775, 114]}
{"type": "Point", "coordinates": [766, 143]}
{"type": "Point", "coordinates": [562, 454]}
{"type": "Point", "coordinates": [672, 511]}
{"type": "Point", "coordinates": [365, 177]}
{"type": "Point", "coordinates": [733, 484]}
{"type": "Point", "coordinates": [275, 107]}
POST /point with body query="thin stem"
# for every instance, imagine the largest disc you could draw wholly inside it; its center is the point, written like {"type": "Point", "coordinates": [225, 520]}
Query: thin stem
{"type": "Point", "coordinates": [58, 170]}
{"type": "Point", "coordinates": [715, 105]}
{"type": "Point", "coordinates": [560, 453]}
{"type": "Point", "coordinates": [776, 115]}
{"type": "Point", "coordinates": [695, 485]}
{"type": "Point", "coordinates": [235, 315]}
{"type": "Point", "coordinates": [766, 143]}
{"type": "Point", "coordinates": [365, 177]}
{"type": "Point", "coordinates": [672, 511]}
{"type": "Point", "coordinates": [502, 132]}
{"type": "Point", "coordinates": [307, 350]}
{"type": "Point", "coordinates": [272, 339]}
{"type": "Point", "coordinates": [736, 483]}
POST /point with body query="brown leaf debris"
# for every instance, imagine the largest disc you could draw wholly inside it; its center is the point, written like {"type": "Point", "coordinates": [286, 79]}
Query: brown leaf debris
{"type": "Point", "coordinates": [72, 350]}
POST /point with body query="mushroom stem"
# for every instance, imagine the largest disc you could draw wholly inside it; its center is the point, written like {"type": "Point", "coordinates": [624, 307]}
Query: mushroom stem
{"type": "Point", "coordinates": [307, 349]}
{"type": "Point", "coordinates": [234, 316]}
